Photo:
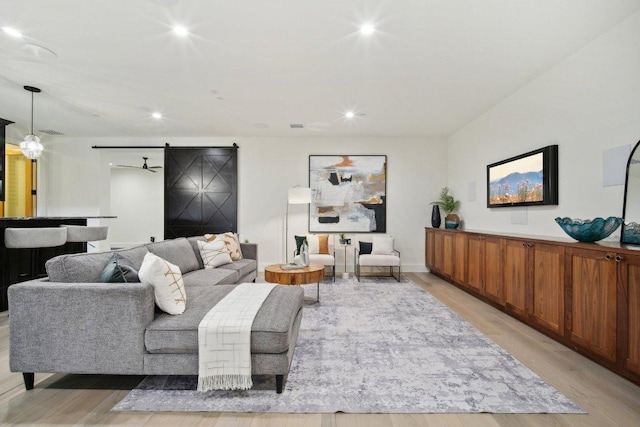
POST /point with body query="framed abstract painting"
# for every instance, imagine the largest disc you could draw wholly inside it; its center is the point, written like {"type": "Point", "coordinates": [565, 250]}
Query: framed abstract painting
{"type": "Point", "coordinates": [349, 194]}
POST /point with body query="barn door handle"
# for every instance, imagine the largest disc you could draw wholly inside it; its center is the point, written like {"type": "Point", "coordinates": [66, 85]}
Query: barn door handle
{"type": "Point", "coordinates": [608, 257]}
{"type": "Point", "coordinates": [619, 258]}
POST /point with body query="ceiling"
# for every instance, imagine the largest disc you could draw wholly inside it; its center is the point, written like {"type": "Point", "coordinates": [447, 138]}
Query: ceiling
{"type": "Point", "coordinates": [430, 67]}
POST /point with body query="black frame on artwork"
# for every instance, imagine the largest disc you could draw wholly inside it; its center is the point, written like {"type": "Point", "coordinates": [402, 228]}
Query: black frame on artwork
{"type": "Point", "coordinates": [379, 209]}
{"type": "Point", "coordinates": [549, 178]}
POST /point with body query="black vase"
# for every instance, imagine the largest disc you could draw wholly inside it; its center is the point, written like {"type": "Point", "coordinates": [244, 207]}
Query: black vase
{"type": "Point", "coordinates": [435, 217]}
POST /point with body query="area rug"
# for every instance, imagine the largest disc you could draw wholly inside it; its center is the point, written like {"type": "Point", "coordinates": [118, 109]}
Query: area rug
{"type": "Point", "coordinates": [375, 347]}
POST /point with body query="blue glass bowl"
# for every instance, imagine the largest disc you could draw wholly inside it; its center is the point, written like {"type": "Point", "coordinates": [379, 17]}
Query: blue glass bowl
{"type": "Point", "coordinates": [589, 230]}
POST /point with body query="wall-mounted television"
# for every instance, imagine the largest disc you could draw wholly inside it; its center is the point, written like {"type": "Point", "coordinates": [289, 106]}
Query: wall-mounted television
{"type": "Point", "coordinates": [530, 179]}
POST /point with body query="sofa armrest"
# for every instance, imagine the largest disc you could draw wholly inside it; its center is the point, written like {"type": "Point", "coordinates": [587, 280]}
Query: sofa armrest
{"type": "Point", "coordinates": [78, 327]}
{"type": "Point", "coordinates": [249, 250]}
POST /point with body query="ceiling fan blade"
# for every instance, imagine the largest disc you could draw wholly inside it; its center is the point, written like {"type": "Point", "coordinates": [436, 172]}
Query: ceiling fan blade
{"type": "Point", "coordinates": [128, 166]}
{"type": "Point", "coordinates": [150, 170]}
{"type": "Point", "coordinates": [155, 167]}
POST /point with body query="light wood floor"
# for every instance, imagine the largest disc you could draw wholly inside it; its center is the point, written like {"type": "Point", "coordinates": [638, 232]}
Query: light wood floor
{"type": "Point", "coordinates": [86, 400]}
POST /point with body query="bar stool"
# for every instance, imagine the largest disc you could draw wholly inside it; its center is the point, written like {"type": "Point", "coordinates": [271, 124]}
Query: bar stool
{"type": "Point", "coordinates": [86, 233]}
{"type": "Point", "coordinates": [34, 239]}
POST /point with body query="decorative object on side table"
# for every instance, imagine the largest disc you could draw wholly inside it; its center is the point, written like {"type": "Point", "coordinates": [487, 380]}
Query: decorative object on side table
{"type": "Point", "coordinates": [304, 253]}
{"type": "Point", "coordinates": [631, 233]}
{"type": "Point", "coordinates": [448, 205]}
{"type": "Point", "coordinates": [344, 240]}
{"type": "Point", "coordinates": [435, 217]}
{"type": "Point", "coordinates": [589, 230]}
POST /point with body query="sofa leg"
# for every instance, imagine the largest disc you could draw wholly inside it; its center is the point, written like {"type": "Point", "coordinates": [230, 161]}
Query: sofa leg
{"type": "Point", "coordinates": [29, 378]}
{"type": "Point", "coordinates": [279, 383]}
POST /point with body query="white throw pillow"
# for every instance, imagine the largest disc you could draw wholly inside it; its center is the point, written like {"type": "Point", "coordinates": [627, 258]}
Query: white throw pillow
{"type": "Point", "coordinates": [232, 242]}
{"type": "Point", "coordinates": [382, 245]}
{"type": "Point", "coordinates": [166, 279]}
{"type": "Point", "coordinates": [214, 254]}
{"type": "Point", "coordinates": [314, 243]}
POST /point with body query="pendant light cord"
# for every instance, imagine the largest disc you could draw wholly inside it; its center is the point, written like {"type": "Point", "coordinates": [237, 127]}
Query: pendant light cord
{"type": "Point", "coordinates": [31, 113]}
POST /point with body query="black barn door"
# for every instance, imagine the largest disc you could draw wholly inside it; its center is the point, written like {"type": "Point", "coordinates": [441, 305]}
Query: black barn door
{"type": "Point", "coordinates": [201, 191]}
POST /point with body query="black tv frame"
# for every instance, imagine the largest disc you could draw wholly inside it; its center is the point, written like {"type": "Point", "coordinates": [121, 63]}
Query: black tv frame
{"type": "Point", "coordinates": [549, 178]}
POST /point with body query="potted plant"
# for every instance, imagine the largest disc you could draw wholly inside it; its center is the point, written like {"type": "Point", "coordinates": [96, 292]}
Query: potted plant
{"type": "Point", "coordinates": [449, 205]}
{"type": "Point", "coordinates": [344, 240]}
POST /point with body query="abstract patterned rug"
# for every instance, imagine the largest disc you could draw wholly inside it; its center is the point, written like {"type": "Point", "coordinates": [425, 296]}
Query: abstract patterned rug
{"type": "Point", "coordinates": [375, 347]}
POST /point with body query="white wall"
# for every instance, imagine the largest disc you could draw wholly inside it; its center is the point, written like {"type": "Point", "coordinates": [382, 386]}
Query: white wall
{"type": "Point", "coordinates": [586, 104]}
{"type": "Point", "coordinates": [137, 199]}
{"type": "Point", "coordinates": [267, 168]}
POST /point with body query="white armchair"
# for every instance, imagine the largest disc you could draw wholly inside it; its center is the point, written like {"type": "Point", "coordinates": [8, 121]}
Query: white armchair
{"type": "Point", "coordinates": [328, 259]}
{"type": "Point", "coordinates": [380, 253]}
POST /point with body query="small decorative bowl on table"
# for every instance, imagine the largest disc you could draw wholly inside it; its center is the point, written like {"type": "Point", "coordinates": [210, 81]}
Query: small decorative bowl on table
{"type": "Point", "coordinates": [589, 230]}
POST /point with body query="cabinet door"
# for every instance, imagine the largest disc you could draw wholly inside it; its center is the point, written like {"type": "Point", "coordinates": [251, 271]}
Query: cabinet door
{"type": "Point", "coordinates": [447, 249]}
{"type": "Point", "coordinates": [475, 262]}
{"type": "Point", "coordinates": [459, 258]}
{"type": "Point", "coordinates": [547, 286]}
{"type": "Point", "coordinates": [493, 277]}
{"type": "Point", "coordinates": [516, 254]}
{"type": "Point", "coordinates": [592, 277]}
{"type": "Point", "coordinates": [438, 252]}
{"type": "Point", "coordinates": [429, 248]}
{"type": "Point", "coordinates": [630, 324]}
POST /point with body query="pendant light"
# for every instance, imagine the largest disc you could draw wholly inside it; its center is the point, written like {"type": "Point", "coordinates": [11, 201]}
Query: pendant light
{"type": "Point", "coordinates": [31, 147]}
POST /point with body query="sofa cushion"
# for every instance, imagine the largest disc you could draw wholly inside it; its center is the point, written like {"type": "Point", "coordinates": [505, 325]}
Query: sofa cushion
{"type": "Point", "coordinates": [210, 277]}
{"type": "Point", "coordinates": [86, 267]}
{"type": "Point", "coordinates": [193, 241]}
{"type": "Point", "coordinates": [176, 251]}
{"type": "Point", "coordinates": [270, 332]}
{"type": "Point", "coordinates": [214, 253]}
{"type": "Point", "coordinates": [231, 241]}
{"type": "Point", "coordinates": [375, 260]}
{"type": "Point", "coordinates": [166, 279]}
{"type": "Point", "coordinates": [243, 267]}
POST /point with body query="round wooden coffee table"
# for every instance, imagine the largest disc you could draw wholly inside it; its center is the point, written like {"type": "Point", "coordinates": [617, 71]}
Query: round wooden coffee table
{"type": "Point", "coordinates": [299, 276]}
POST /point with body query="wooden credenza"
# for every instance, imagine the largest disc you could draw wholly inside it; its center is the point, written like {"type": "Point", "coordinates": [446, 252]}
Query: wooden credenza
{"type": "Point", "coordinates": [584, 295]}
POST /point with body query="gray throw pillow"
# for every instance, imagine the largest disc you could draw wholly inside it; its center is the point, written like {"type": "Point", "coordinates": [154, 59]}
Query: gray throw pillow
{"type": "Point", "coordinates": [118, 270]}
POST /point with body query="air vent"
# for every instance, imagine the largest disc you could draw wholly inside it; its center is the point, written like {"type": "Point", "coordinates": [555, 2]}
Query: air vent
{"type": "Point", "coordinates": [50, 132]}
{"type": "Point", "coordinates": [296, 126]}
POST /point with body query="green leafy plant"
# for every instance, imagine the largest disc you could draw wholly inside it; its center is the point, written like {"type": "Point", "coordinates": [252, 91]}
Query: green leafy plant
{"type": "Point", "coordinates": [341, 236]}
{"type": "Point", "coordinates": [447, 202]}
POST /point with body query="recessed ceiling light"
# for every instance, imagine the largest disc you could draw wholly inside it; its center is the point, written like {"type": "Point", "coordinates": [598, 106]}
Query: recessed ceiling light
{"type": "Point", "coordinates": [349, 114]}
{"type": "Point", "coordinates": [12, 32]}
{"type": "Point", "coordinates": [367, 29]}
{"type": "Point", "coordinates": [180, 30]}
{"type": "Point", "coordinates": [156, 115]}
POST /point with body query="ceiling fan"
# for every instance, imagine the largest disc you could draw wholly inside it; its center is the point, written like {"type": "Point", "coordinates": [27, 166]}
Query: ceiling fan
{"type": "Point", "coordinates": [144, 166]}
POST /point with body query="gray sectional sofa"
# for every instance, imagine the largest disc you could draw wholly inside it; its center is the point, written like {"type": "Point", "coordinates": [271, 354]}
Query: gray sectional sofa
{"type": "Point", "coordinates": [70, 323]}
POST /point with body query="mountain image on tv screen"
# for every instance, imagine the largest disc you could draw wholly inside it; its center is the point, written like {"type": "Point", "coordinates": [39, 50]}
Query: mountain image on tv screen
{"type": "Point", "coordinates": [518, 181]}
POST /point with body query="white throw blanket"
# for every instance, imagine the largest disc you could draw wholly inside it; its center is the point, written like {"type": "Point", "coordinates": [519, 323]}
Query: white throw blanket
{"type": "Point", "coordinates": [224, 338]}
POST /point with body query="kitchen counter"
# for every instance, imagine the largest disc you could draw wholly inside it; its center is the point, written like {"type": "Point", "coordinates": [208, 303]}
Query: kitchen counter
{"type": "Point", "coordinates": [17, 266]}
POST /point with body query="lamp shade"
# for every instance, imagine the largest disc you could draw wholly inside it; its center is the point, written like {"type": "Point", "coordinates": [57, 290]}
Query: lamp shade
{"type": "Point", "coordinates": [299, 196]}
{"type": "Point", "coordinates": [31, 147]}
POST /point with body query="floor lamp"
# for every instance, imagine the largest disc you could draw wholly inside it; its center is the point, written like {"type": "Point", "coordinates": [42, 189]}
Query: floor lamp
{"type": "Point", "coordinates": [297, 196]}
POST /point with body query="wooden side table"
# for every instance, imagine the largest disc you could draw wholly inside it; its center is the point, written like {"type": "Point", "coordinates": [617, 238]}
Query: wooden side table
{"type": "Point", "coordinates": [299, 276]}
